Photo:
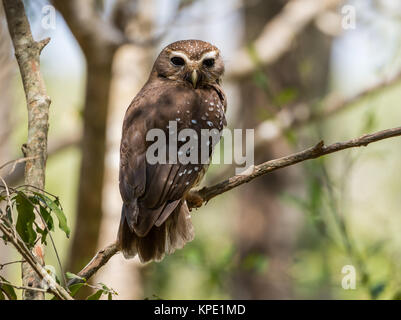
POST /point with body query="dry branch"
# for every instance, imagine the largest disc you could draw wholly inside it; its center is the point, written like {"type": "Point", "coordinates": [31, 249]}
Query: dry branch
{"type": "Point", "coordinates": [27, 52]}
{"type": "Point", "coordinates": [196, 198]}
{"type": "Point", "coordinates": [278, 35]}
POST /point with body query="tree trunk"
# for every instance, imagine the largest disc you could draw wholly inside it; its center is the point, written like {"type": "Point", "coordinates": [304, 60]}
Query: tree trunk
{"type": "Point", "coordinates": [84, 22]}
{"type": "Point", "coordinates": [131, 67]}
{"type": "Point", "coordinates": [89, 210]}
{"type": "Point", "coordinates": [268, 229]}
{"type": "Point", "coordinates": [27, 52]}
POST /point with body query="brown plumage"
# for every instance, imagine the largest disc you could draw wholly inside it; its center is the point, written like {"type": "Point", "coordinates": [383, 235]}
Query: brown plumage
{"type": "Point", "coordinates": [184, 86]}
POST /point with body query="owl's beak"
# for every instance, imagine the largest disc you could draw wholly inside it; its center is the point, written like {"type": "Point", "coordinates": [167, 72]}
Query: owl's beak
{"type": "Point", "coordinates": [194, 78]}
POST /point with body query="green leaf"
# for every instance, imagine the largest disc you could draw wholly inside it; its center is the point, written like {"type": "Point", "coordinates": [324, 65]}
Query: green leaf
{"type": "Point", "coordinates": [25, 219]}
{"type": "Point", "coordinates": [48, 220]}
{"type": "Point", "coordinates": [56, 208]}
{"type": "Point", "coordinates": [9, 214]}
{"type": "Point", "coordinates": [7, 289]}
{"type": "Point", "coordinates": [75, 288]}
{"type": "Point", "coordinates": [71, 275]}
{"type": "Point", "coordinates": [96, 295]}
{"type": "Point", "coordinates": [2, 297]}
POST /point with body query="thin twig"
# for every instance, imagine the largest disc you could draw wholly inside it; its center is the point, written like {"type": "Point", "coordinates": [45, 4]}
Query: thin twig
{"type": "Point", "coordinates": [16, 161]}
{"type": "Point", "coordinates": [23, 287]}
{"type": "Point", "coordinates": [2, 265]}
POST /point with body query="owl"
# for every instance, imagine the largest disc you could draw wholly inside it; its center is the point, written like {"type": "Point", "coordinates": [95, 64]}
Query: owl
{"type": "Point", "coordinates": [184, 88]}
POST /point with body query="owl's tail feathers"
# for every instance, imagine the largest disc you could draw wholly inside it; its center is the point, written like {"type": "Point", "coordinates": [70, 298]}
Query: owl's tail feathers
{"type": "Point", "coordinates": [173, 234]}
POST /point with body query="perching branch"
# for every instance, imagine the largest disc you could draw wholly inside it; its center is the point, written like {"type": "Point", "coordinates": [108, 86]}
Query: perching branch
{"type": "Point", "coordinates": [207, 193]}
{"type": "Point", "coordinates": [196, 198]}
{"type": "Point", "coordinates": [27, 52]}
{"type": "Point", "coordinates": [98, 261]}
{"type": "Point", "coordinates": [278, 35]}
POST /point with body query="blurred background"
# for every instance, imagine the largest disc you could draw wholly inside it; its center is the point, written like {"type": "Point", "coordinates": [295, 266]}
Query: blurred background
{"type": "Point", "coordinates": [286, 235]}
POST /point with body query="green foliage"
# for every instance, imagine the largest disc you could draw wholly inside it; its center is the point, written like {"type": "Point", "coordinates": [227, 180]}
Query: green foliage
{"type": "Point", "coordinates": [96, 295]}
{"type": "Point", "coordinates": [25, 219]}
{"type": "Point", "coordinates": [55, 207]}
{"type": "Point", "coordinates": [6, 290]}
{"type": "Point", "coordinates": [29, 204]}
{"type": "Point", "coordinates": [101, 288]}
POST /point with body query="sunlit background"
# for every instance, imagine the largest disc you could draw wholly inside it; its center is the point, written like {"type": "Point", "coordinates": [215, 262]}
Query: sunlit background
{"type": "Point", "coordinates": [286, 235]}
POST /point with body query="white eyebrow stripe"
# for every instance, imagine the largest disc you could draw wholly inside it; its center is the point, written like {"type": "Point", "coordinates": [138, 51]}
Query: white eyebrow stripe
{"type": "Point", "coordinates": [209, 55]}
{"type": "Point", "coordinates": [179, 54]}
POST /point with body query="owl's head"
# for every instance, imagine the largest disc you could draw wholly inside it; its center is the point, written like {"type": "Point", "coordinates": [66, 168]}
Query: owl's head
{"type": "Point", "coordinates": [194, 61]}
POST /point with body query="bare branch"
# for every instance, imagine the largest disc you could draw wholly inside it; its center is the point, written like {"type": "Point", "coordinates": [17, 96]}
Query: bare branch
{"type": "Point", "coordinates": [277, 36]}
{"type": "Point", "coordinates": [16, 161]}
{"type": "Point", "coordinates": [198, 197]}
{"type": "Point", "coordinates": [98, 261]}
{"type": "Point", "coordinates": [2, 265]}
{"type": "Point", "coordinates": [86, 23]}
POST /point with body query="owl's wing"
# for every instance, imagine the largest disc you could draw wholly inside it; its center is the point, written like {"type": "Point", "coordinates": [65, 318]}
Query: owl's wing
{"type": "Point", "coordinates": [150, 192]}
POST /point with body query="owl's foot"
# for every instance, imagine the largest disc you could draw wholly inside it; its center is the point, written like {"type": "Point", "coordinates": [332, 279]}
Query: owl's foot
{"type": "Point", "coordinates": [194, 200]}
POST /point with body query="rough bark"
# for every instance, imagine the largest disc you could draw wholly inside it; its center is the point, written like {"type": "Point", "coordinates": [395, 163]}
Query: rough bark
{"type": "Point", "coordinates": [27, 52]}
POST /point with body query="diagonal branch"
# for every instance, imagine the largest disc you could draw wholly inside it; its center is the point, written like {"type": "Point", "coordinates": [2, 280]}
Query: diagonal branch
{"type": "Point", "coordinates": [278, 35]}
{"type": "Point", "coordinates": [86, 23]}
{"type": "Point", "coordinates": [196, 198]}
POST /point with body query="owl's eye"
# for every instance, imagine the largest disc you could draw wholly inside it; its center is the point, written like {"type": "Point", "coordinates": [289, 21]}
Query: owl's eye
{"type": "Point", "coordinates": [208, 62]}
{"type": "Point", "coordinates": [177, 61]}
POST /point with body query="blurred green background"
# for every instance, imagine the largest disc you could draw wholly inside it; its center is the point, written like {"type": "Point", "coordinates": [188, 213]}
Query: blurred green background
{"type": "Point", "coordinates": [286, 235]}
